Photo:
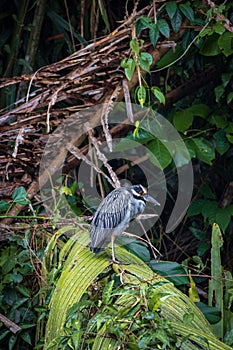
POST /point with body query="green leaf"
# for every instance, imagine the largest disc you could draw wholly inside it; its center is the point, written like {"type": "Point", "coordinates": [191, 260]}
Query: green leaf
{"type": "Point", "coordinates": [176, 21]}
{"type": "Point", "coordinates": [216, 282]}
{"type": "Point", "coordinates": [154, 35]}
{"type": "Point", "coordinates": [141, 95]}
{"type": "Point", "coordinates": [204, 150]}
{"type": "Point", "coordinates": [20, 196]}
{"type": "Point", "coordinates": [129, 66]}
{"type": "Point", "coordinates": [147, 291]}
{"type": "Point", "coordinates": [188, 317]}
{"type": "Point", "coordinates": [4, 206]}
{"type": "Point", "coordinates": [146, 21]}
{"type": "Point", "coordinates": [203, 247]}
{"type": "Point", "coordinates": [3, 334]}
{"type": "Point", "coordinates": [206, 191]}
{"type": "Point", "coordinates": [225, 43]}
{"type": "Point", "coordinates": [223, 217]}
{"type": "Point", "coordinates": [25, 64]}
{"type": "Point", "coordinates": [24, 291]}
{"type": "Point", "coordinates": [198, 234]}
{"type": "Point", "coordinates": [138, 249]}
{"type": "Point", "coordinates": [195, 208]}
{"type": "Point", "coordinates": [66, 190]}
{"type": "Point", "coordinates": [219, 120]}
{"type": "Point", "coordinates": [158, 154]}
{"type": "Point", "coordinates": [134, 45]}
{"type": "Point", "coordinates": [219, 28]}
{"type": "Point", "coordinates": [125, 144]}
{"type": "Point", "coordinates": [8, 265]}
{"type": "Point", "coordinates": [106, 295]}
{"type": "Point", "coordinates": [200, 110]}
{"type": "Point", "coordinates": [221, 142]}
{"type": "Point", "coordinates": [190, 147]}
{"type": "Point", "coordinates": [230, 138]}
{"type": "Point", "coordinates": [214, 214]}
{"type": "Point", "coordinates": [219, 91]}
{"type": "Point", "coordinates": [158, 94]}
{"type": "Point", "coordinates": [229, 98]}
{"type": "Point", "coordinates": [173, 271]}
{"type": "Point", "coordinates": [124, 63]}
{"type": "Point", "coordinates": [170, 56]}
{"type": "Point", "coordinates": [226, 78]}
{"type": "Point", "coordinates": [213, 314]}
{"type": "Point", "coordinates": [182, 120]}
{"type": "Point", "coordinates": [163, 27]}
{"type": "Point", "coordinates": [16, 277]}
{"type": "Point", "coordinates": [171, 8]}
{"type": "Point", "coordinates": [12, 341]}
{"type": "Point", "coordinates": [104, 14]}
{"type": "Point", "coordinates": [145, 60]}
{"type": "Point", "coordinates": [187, 11]}
{"type": "Point", "coordinates": [210, 46]}
{"type": "Point", "coordinates": [26, 337]}
{"type": "Point", "coordinates": [64, 25]}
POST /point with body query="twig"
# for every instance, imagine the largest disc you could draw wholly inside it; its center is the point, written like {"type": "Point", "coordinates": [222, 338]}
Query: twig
{"type": "Point", "coordinates": [220, 17]}
{"type": "Point", "coordinates": [76, 152]}
{"type": "Point", "coordinates": [19, 140]}
{"type": "Point", "coordinates": [13, 327]}
{"type": "Point", "coordinates": [147, 241]}
{"type": "Point", "coordinates": [128, 103]}
{"type": "Point", "coordinates": [102, 157]}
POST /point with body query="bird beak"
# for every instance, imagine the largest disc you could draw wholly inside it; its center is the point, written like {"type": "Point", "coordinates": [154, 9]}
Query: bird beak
{"type": "Point", "coordinates": [150, 199]}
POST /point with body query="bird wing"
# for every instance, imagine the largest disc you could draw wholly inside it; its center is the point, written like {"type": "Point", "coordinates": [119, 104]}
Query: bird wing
{"type": "Point", "coordinates": [112, 213]}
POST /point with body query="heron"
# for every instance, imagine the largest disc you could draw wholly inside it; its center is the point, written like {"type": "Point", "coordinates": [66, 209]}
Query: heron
{"type": "Point", "coordinates": [114, 214]}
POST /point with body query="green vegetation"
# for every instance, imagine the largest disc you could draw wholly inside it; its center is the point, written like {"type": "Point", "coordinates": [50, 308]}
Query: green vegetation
{"type": "Point", "coordinates": [177, 59]}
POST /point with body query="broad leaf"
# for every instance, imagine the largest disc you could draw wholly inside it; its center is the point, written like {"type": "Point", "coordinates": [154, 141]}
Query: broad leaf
{"type": "Point", "coordinates": [229, 98]}
{"type": "Point", "coordinates": [145, 60]}
{"type": "Point", "coordinates": [154, 35]}
{"type": "Point", "coordinates": [158, 94]}
{"type": "Point", "coordinates": [20, 196]}
{"type": "Point", "coordinates": [219, 91]}
{"type": "Point", "coordinates": [141, 95]}
{"type": "Point", "coordinates": [163, 27]}
{"type": "Point", "coordinates": [213, 314]}
{"type": "Point", "coordinates": [81, 269]}
{"type": "Point", "coordinates": [176, 21]}
{"type": "Point", "coordinates": [158, 154]}
{"type": "Point", "coordinates": [225, 43]}
{"type": "Point", "coordinates": [171, 8]}
{"type": "Point", "coordinates": [210, 46]}
{"type": "Point", "coordinates": [134, 45]}
{"type": "Point", "coordinates": [173, 271]}
{"type": "Point", "coordinates": [3, 206]}
{"type": "Point", "coordinates": [200, 110]}
{"type": "Point", "coordinates": [204, 150]}
{"type": "Point", "coordinates": [129, 68]}
{"type": "Point", "coordinates": [195, 208]}
{"type": "Point", "coordinates": [187, 11]}
{"type": "Point", "coordinates": [182, 120]}
{"type": "Point", "coordinates": [170, 56]}
{"type": "Point", "coordinates": [221, 142]}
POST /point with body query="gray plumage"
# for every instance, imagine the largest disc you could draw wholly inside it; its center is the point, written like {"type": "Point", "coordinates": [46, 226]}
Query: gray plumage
{"type": "Point", "coordinates": [114, 214]}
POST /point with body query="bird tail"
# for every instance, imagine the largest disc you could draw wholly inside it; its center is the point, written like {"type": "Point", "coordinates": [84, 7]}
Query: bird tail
{"type": "Point", "coordinates": [96, 250]}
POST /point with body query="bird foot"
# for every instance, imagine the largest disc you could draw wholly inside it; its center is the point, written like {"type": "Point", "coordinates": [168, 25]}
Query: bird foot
{"type": "Point", "coordinates": [114, 261]}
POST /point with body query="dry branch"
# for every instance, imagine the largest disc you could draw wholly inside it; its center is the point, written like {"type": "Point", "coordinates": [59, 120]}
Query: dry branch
{"type": "Point", "coordinates": [86, 78]}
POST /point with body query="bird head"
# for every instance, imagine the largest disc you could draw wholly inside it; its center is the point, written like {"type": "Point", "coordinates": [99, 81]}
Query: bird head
{"type": "Point", "coordinates": [140, 192]}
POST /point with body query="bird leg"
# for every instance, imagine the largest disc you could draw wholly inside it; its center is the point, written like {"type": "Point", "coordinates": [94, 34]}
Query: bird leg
{"type": "Point", "coordinates": [114, 260]}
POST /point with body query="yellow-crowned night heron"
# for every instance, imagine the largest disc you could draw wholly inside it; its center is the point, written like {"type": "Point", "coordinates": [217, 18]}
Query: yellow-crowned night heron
{"type": "Point", "coordinates": [114, 214]}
